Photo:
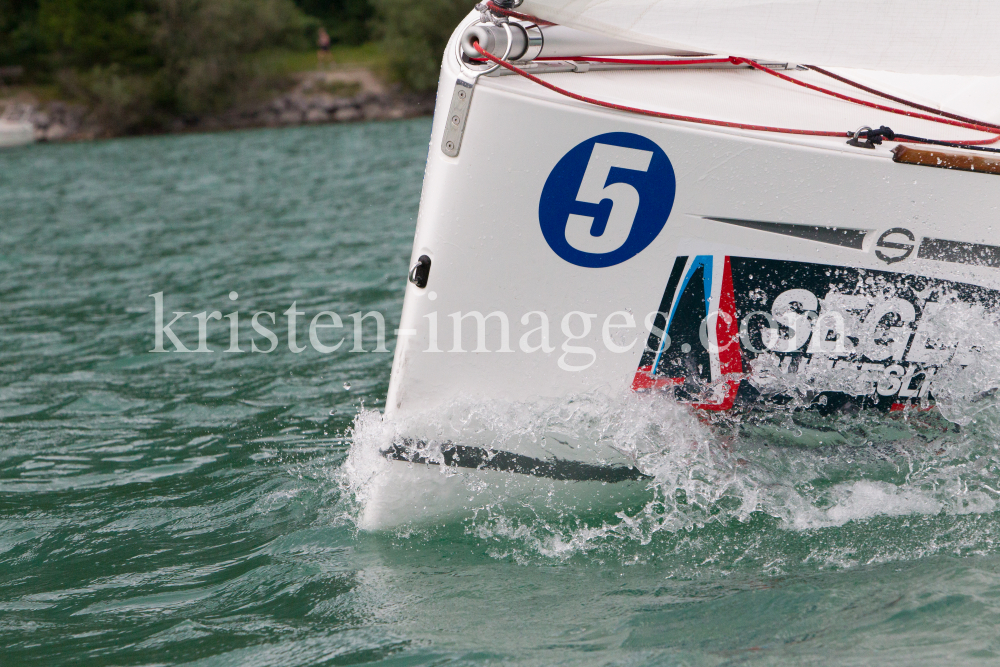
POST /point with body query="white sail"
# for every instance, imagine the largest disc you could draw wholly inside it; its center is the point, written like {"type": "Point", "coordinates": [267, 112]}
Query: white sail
{"type": "Point", "coordinates": [918, 36]}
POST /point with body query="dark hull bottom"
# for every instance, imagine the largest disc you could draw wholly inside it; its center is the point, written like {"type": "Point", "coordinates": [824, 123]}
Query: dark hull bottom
{"type": "Point", "coordinates": [479, 458]}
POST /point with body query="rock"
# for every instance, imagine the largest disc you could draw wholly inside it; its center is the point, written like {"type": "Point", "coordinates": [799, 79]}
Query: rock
{"type": "Point", "coordinates": [335, 103]}
{"type": "Point", "coordinates": [71, 117]}
{"type": "Point", "coordinates": [320, 99]}
{"type": "Point", "coordinates": [317, 116]}
{"type": "Point", "coordinates": [326, 102]}
{"type": "Point", "coordinates": [56, 132]}
{"type": "Point", "coordinates": [346, 114]}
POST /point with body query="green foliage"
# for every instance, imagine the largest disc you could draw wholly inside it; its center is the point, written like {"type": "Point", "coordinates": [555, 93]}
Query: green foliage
{"type": "Point", "coordinates": [347, 21]}
{"type": "Point", "coordinates": [204, 45]}
{"type": "Point", "coordinates": [123, 102]}
{"type": "Point", "coordinates": [21, 41]}
{"type": "Point", "coordinates": [284, 62]}
{"type": "Point", "coordinates": [87, 33]}
{"type": "Point", "coordinates": [414, 34]}
{"type": "Point", "coordinates": [139, 62]}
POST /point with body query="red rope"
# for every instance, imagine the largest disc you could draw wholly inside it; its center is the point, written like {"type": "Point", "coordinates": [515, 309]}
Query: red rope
{"type": "Point", "coordinates": [516, 15]}
{"type": "Point", "coordinates": [900, 100]}
{"type": "Point", "coordinates": [938, 112]}
{"type": "Point", "coordinates": [655, 114]}
{"type": "Point", "coordinates": [938, 116]}
{"type": "Point", "coordinates": [629, 61]}
{"type": "Point", "coordinates": [864, 103]}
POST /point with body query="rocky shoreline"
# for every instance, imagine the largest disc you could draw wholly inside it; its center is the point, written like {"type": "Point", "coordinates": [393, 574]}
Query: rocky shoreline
{"type": "Point", "coordinates": [341, 96]}
{"type": "Point", "coordinates": [299, 109]}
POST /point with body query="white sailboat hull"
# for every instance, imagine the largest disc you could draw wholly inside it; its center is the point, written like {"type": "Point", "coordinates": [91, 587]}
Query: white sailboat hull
{"type": "Point", "coordinates": [828, 274]}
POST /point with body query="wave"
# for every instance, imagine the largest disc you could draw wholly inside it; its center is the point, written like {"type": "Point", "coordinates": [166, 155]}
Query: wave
{"type": "Point", "coordinates": [713, 476]}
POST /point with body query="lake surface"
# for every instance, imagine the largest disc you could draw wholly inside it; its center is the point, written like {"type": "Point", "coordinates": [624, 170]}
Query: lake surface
{"type": "Point", "coordinates": [193, 509]}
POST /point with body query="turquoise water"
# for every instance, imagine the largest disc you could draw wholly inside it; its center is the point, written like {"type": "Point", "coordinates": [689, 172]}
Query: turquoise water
{"type": "Point", "coordinates": [177, 509]}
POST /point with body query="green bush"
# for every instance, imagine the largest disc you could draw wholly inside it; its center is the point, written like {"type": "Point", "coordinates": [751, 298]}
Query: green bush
{"type": "Point", "coordinates": [122, 103]}
{"type": "Point", "coordinates": [414, 34]}
{"type": "Point", "coordinates": [85, 33]}
{"type": "Point", "coordinates": [204, 46]}
{"type": "Point", "coordinates": [347, 21]}
{"type": "Point", "coordinates": [141, 62]}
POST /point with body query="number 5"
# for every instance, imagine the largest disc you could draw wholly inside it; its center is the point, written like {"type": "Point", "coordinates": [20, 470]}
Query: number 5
{"type": "Point", "coordinates": [624, 199]}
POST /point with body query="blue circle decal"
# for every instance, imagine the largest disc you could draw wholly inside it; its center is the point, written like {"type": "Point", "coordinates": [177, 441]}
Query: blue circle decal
{"type": "Point", "coordinates": [607, 199]}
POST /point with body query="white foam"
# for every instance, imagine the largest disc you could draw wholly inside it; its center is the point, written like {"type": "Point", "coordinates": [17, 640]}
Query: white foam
{"type": "Point", "coordinates": [700, 473]}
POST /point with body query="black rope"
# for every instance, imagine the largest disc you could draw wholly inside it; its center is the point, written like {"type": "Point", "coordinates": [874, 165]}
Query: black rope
{"type": "Point", "coordinates": [875, 137]}
{"type": "Point", "coordinates": [951, 144]}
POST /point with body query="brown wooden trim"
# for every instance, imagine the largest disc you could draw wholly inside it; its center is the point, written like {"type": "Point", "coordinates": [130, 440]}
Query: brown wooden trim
{"type": "Point", "coordinates": [932, 157]}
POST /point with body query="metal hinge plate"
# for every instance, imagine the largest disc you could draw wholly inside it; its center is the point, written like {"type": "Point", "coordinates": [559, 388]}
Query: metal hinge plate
{"type": "Point", "coordinates": [461, 100]}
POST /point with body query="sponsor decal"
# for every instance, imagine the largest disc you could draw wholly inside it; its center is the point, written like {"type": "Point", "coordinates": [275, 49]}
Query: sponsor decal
{"type": "Point", "coordinates": [898, 241]}
{"type": "Point", "coordinates": [735, 329]}
{"type": "Point", "coordinates": [607, 199]}
{"type": "Point", "coordinates": [885, 242]}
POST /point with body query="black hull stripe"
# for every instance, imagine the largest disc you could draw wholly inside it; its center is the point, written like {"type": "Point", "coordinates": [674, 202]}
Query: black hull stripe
{"type": "Point", "coordinates": [463, 456]}
{"type": "Point", "coordinates": [848, 238]}
{"type": "Point", "coordinates": [975, 254]}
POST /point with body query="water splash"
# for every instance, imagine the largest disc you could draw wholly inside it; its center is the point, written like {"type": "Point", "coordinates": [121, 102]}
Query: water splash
{"type": "Point", "coordinates": [715, 478]}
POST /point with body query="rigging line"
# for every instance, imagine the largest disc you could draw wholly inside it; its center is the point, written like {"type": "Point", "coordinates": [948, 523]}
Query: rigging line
{"type": "Point", "coordinates": [953, 119]}
{"type": "Point", "coordinates": [629, 61]}
{"type": "Point", "coordinates": [716, 61]}
{"type": "Point", "coordinates": [968, 143]}
{"type": "Point", "coordinates": [855, 100]}
{"type": "Point", "coordinates": [655, 114]}
{"type": "Point", "coordinates": [900, 100]}
{"type": "Point", "coordinates": [509, 13]}
{"type": "Point", "coordinates": [708, 121]}
{"type": "Point", "coordinates": [935, 142]}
